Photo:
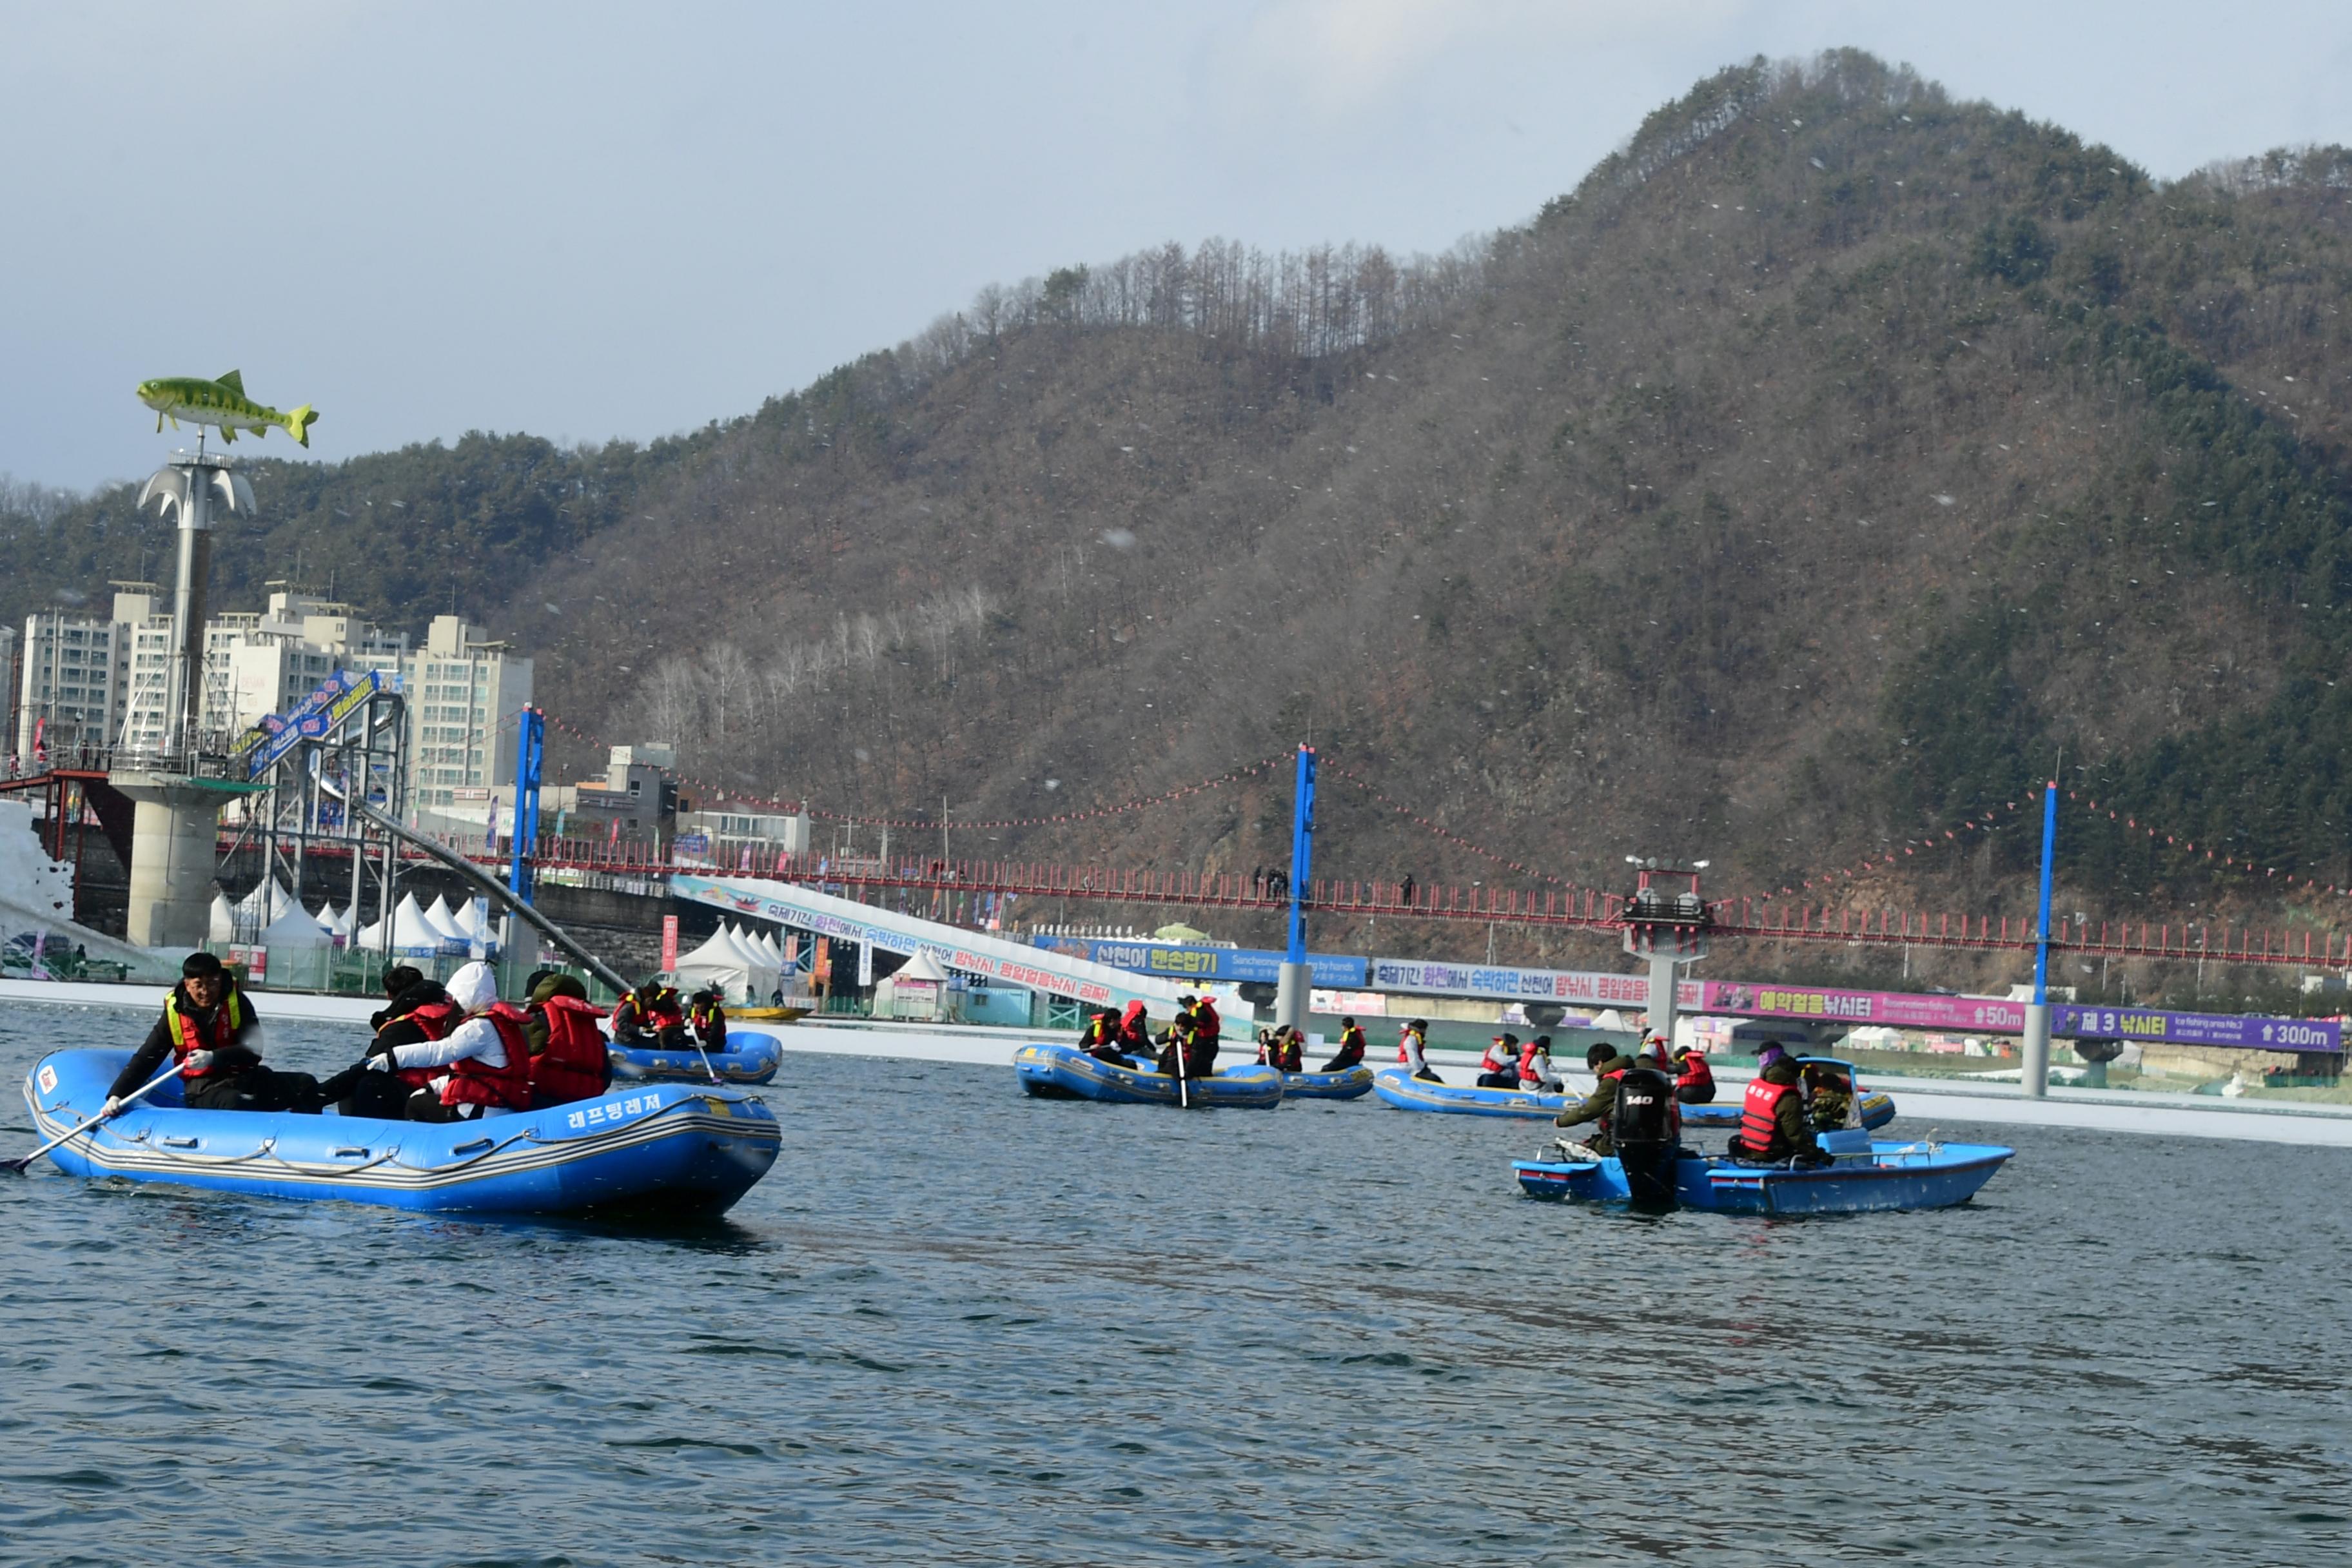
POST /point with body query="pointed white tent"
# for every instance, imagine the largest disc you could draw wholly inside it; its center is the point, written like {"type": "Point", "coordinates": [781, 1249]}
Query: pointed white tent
{"type": "Point", "coordinates": [472, 917]}
{"type": "Point", "coordinates": [293, 929]}
{"type": "Point", "coordinates": [224, 918]}
{"type": "Point", "coordinates": [270, 899]}
{"type": "Point", "coordinates": [717, 962]}
{"type": "Point", "coordinates": [922, 966]}
{"type": "Point", "coordinates": [411, 934]}
{"type": "Point", "coordinates": [443, 919]}
{"type": "Point", "coordinates": [763, 970]}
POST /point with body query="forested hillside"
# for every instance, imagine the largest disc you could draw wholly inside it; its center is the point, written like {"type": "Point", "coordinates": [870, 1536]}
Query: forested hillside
{"type": "Point", "coordinates": [1814, 475]}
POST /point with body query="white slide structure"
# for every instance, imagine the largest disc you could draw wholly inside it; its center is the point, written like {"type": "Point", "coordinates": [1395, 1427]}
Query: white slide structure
{"type": "Point", "coordinates": [974, 952]}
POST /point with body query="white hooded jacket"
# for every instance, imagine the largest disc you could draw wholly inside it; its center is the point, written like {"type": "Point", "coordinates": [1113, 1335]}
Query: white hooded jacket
{"type": "Point", "coordinates": [473, 988]}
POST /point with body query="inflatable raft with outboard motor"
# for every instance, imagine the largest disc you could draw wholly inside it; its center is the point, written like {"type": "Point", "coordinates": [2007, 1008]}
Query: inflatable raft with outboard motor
{"type": "Point", "coordinates": [664, 1149]}
{"type": "Point", "coordinates": [1066, 1072]}
{"type": "Point", "coordinates": [1843, 1171]}
{"type": "Point", "coordinates": [1881, 1176]}
{"type": "Point", "coordinates": [751, 1057]}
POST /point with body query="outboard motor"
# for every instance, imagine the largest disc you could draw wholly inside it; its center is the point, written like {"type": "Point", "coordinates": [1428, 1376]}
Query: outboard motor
{"type": "Point", "coordinates": [1642, 1125]}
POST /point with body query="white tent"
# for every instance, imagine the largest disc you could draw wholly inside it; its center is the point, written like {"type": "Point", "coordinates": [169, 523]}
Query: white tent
{"type": "Point", "coordinates": [473, 918]}
{"type": "Point", "coordinates": [442, 918]}
{"type": "Point", "coordinates": [224, 918]}
{"type": "Point", "coordinates": [720, 962]}
{"type": "Point", "coordinates": [916, 989]}
{"type": "Point", "coordinates": [765, 969]}
{"type": "Point", "coordinates": [268, 900]}
{"type": "Point", "coordinates": [294, 929]}
{"type": "Point", "coordinates": [411, 933]}
{"type": "Point", "coordinates": [922, 966]}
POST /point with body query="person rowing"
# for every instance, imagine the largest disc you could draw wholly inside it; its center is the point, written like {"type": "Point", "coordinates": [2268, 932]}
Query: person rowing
{"type": "Point", "coordinates": [209, 1028]}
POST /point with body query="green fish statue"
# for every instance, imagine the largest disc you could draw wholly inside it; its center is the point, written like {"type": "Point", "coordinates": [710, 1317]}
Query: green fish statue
{"type": "Point", "coordinates": [220, 403]}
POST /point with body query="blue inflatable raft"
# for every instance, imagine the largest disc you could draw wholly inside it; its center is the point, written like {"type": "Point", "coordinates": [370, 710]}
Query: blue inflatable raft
{"type": "Point", "coordinates": [1352, 1084]}
{"type": "Point", "coordinates": [1862, 1181]}
{"type": "Point", "coordinates": [751, 1057]}
{"type": "Point", "coordinates": [662, 1148]}
{"type": "Point", "coordinates": [1406, 1092]}
{"type": "Point", "coordinates": [1066, 1072]}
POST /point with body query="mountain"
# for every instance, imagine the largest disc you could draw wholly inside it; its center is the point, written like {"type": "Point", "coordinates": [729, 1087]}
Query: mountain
{"type": "Point", "coordinates": [1827, 466]}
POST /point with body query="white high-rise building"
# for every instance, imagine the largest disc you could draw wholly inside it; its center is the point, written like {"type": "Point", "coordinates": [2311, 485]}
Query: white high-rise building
{"type": "Point", "coordinates": [255, 665]}
{"type": "Point", "coordinates": [103, 681]}
{"type": "Point", "coordinates": [75, 671]}
{"type": "Point", "coordinates": [463, 691]}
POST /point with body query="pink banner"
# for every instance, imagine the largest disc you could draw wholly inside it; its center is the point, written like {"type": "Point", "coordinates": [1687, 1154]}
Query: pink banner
{"type": "Point", "coordinates": [1895, 1009]}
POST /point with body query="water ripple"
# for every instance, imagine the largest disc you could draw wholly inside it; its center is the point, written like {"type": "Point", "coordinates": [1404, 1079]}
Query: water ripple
{"type": "Point", "coordinates": [959, 1327]}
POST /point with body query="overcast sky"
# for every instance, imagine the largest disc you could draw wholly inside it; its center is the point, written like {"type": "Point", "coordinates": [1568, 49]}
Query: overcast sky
{"type": "Point", "coordinates": [595, 220]}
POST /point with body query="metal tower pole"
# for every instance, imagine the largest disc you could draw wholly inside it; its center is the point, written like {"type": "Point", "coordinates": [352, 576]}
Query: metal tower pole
{"type": "Point", "coordinates": [530, 735]}
{"type": "Point", "coordinates": [2035, 1073]}
{"type": "Point", "coordinates": [1290, 997]}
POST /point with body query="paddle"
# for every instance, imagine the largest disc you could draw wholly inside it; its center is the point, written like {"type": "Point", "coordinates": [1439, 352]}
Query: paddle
{"type": "Point", "coordinates": [17, 1166]}
{"type": "Point", "coordinates": [1184, 1054]}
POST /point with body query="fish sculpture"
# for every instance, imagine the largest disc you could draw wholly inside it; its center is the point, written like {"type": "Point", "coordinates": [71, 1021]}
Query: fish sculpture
{"type": "Point", "coordinates": [220, 403]}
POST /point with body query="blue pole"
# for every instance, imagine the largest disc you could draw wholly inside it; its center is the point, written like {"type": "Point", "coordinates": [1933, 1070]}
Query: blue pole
{"type": "Point", "coordinates": [1302, 850]}
{"type": "Point", "coordinates": [530, 737]}
{"type": "Point", "coordinates": [2049, 859]}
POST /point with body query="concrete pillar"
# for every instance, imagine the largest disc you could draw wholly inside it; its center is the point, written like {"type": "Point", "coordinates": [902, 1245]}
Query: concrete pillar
{"type": "Point", "coordinates": [1290, 997]}
{"type": "Point", "coordinates": [172, 841]}
{"type": "Point", "coordinates": [1664, 981]}
{"type": "Point", "coordinates": [2036, 1074]}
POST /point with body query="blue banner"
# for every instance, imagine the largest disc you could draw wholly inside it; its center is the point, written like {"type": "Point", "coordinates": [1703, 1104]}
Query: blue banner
{"type": "Point", "coordinates": [1223, 965]}
{"type": "Point", "coordinates": [2232, 1030]}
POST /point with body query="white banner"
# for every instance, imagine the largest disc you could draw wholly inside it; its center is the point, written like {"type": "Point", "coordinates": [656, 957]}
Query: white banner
{"type": "Point", "coordinates": [1576, 987]}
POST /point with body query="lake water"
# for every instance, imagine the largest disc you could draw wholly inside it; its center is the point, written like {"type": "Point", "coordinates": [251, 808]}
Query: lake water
{"type": "Point", "coordinates": [956, 1325]}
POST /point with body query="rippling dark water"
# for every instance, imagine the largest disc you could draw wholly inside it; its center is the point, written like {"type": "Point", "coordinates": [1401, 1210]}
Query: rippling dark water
{"type": "Point", "coordinates": [959, 1326]}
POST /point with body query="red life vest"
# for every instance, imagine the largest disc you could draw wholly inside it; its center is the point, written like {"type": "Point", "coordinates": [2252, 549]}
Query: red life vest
{"type": "Point", "coordinates": [573, 1065]}
{"type": "Point", "coordinates": [710, 1025]}
{"type": "Point", "coordinates": [1294, 1054]}
{"type": "Point", "coordinates": [657, 1017]}
{"type": "Point", "coordinates": [1694, 1074]}
{"type": "Point", "coordinates": [1351, 1042]}
{"type": "Point", "coordinates": [1498, 1058]}
{"type": "Point", "coordinates": [1760, 1122]}
{"type": "Point", "coordinates": [1405, 1045]}
{"type": "Point", "coordinates": [473, 1081]}
{"type": "Point", "coordinates": [1527, 1063]}
{"type": "Point", "coordinates": [1205, 1025]}
{"type": "Point", "coordinates": [433, 1020]}
{"type": "Point", "coordinates": [188, 1036]}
